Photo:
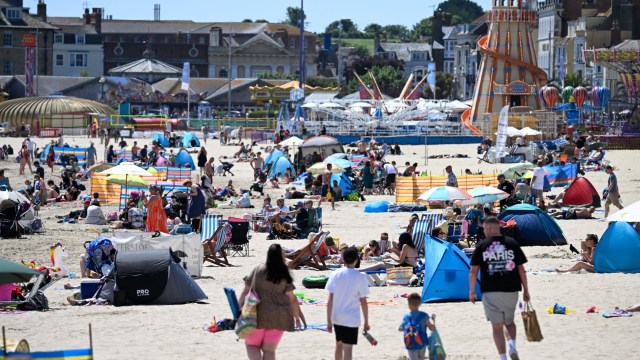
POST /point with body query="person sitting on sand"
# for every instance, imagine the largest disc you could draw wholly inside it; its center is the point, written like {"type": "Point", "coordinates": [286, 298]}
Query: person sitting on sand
{"type": "Point", "coordinates": [372, 249]}
{"type": "Point", "coordinates": [70, 195]}
{"type": "Point", "coordinates": [407, 257]}
{"type": "Point", "coordinates": [557, 202]}
{"type": "Point", "coordinates": [572, 214]}
{"type": "Point", "coordinates": [586, 262]}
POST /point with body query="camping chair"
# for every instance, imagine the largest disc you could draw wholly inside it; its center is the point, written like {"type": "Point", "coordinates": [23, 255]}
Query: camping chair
{"type": "Point", "coordinates": [216, 244]}
{"type": "Point", "coordinates": [307, 254]}
{"type": "Point", "coordinates": [75, 354]}
{"type": "Point", "coordinates": [37, 286]}
{"type": "Point", "coordinates": [422, 228]}
{"type": "Point", "coordinates": [238, 245]}
{"type": "Point", "coordinates": [454, 232]}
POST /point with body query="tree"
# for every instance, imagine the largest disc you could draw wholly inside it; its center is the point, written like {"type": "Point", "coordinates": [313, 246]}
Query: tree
{"type": "Point", "coordinates": [293, 16]}
{"type": "Point", "coordinates": [466, 10]}
{"type": "Point", "coordinates": [261, 21]}
{"type": "Point", "coordinates": [321, 82]}
{"type": "Point", "coordinates": [396, 31]}
{"type": "Point", "coordinates": [444, 86]}
{"type": "Point", "coordinates": [372, 29]}
{"type": "Point", "coordinates": [247, 21]}
{"type": "Point", "coordinates": [422, 30]}
{"type": "Point", "coordinates": [388, 73]}
{"type": "Point", "coordinates": [358, 49]}
{"type": "Point", "coordinates": [348, 27]}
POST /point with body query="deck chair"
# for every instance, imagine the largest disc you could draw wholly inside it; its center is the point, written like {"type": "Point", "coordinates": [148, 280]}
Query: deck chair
{"type": "Point", "coordinates": [423, 228]}
{"type": "Point", "coordinates": [307, 254]}
{"type": "Point", "coordinates": [238, 245]}
{"type": "Point", "coordinates": [73, 354]}
{"type": "Point", "coordinates": [216, 244]}
{"type": "Point", "coordinates": [209, 225]}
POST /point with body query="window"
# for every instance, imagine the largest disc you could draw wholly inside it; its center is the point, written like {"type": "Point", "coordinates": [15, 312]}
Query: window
{"type": "Point", "coordinates": [292, 42]}
{"type": "Point", "coordinates": [77, 59]}
{"type": "Point", "coordinates": [59, 60]}
{"type": "Point", "coordinates": [80, 39]}
{"type": "Point", "coordinates": [13, 14]}
{"type": "Point", "coordinates": [7, 39]}
{"type": "Point", "coordinates": [202, 40]}
{"type": "Point", "coordinates": [58, 38]}
{"type": "Point", "coordinates": [306, 43]}
{"type": "Point", "coordinates": [223, 73]}
{"type": "Point", "coordinates": [7, 67]}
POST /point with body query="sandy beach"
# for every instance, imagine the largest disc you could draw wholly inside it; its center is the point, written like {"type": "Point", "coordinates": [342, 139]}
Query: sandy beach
{"type": "Point", "coordinates": [172, 332]}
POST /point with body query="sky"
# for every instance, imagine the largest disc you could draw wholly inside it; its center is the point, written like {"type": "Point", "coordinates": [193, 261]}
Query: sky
{"type": "Point", "coordinates": [319, 12]}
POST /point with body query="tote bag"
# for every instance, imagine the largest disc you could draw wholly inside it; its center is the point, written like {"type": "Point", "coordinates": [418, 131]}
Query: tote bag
{"type": "Point", "coordinates": [248, 320]}
{"type": "Point", "coordinates": [531, 325]}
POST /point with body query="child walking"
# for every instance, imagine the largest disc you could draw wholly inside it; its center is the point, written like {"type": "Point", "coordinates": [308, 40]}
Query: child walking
{"type": "Point", "coordinates": [348, 290]}
{"type": "Point", "coordinates": [414, 327]}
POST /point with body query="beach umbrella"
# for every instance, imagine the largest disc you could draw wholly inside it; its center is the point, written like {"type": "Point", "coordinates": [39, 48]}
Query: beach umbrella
{"type": "Point", "coordinates": [527, 131]}
{"type": "Point", "coordinates": [567, 94]}
{"type": "Point", "coordinates": [444, 193]}
{"type": "Point", "coordinates": [127, 180]}
{"type": "Point", "coordinates": [512, 131]}
{"type": "Point", "coordinates": [515, 171]}
{"type": "Point", "coordinates": [594, 96]}
{"type": "Point", "coordinates": [541, 95]}
{"type": "Point", "coordinates": [630, 213]}
{"type": "Point", "coordinates": [551, 96]}
{"type": "Point", "coordinates": [330, 105]}
{"type": "Point", "coordinates": [343, 163]}
{"type": "Point", "coordinates": [318, 168]}
{"type": "Point", "coordinates": [99, 168]}
{"type": "Point", "coordinates": [485, 195]}
{"type": "Point", "coordinates": [292, 141]}
{"type": "Point", "coordinates": [126, 168]}
{"type": "Point", "coordinates": [580, 95]}
{"type": "Point", "coordinates": [152, 170]}
{"type": "Point", "coordinates": [11, 272]}
{"type": "Point", "coordinates": [603, 96]}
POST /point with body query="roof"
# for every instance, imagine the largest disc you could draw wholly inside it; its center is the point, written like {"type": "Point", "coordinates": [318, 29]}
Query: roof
{"type": "Point", "coordinates": [146, 66]}
{"type": "Point", "coordinates": [72, 25]}
{"type": "Point", "coordinates": [321, 96]}
{"type": "Point", "coordinates": [55, 85]}
{"type": "Point", "coordinates": [197, 85]}
{"type": "Point", "coordinates": [235, 85]}
{"type": "Point", "coordinates": [628, 45]}
{"type": "Point", "coordinates": [30, 109]}
{"type": "Point", "coordinates": [403, 50]}
{"type": "Point", "coordinates": [26, 20]}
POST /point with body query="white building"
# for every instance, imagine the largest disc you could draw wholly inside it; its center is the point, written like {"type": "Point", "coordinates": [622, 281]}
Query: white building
{"type": "Point", "coordinates": [77, 48]}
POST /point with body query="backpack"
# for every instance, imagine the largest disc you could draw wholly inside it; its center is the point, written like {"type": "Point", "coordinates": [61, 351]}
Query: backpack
{"type": "Point", "coordinates": [415, 336]}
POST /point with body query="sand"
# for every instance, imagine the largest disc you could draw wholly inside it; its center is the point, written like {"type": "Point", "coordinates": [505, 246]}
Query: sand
{"type": "Point", "coordinates": [170, 332]}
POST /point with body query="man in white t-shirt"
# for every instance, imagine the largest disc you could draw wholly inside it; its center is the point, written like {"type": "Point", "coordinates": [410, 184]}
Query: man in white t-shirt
{"type": "Point", "coordinates": [348, 289]}
{"type": "Point", "coordinates": [537, 184]}
{"type": "Point", "coordinates": [391, 171]}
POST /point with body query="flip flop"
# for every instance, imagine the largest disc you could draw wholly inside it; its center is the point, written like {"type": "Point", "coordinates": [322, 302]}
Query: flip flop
{"type": "Point", "coordinates": [591, 310]}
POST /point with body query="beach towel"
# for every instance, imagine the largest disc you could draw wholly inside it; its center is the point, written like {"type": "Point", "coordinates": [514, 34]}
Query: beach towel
{"type": "Point", "coordinates": [617, 313]}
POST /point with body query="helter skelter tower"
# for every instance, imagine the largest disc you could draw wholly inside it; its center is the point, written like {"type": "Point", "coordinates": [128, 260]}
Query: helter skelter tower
{"type": "Point", "coordinates": [508, 73]}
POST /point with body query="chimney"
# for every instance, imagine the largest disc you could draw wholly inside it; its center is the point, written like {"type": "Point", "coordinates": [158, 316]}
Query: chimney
{"type": "Point", "coordinates": [283, 35]}
{"type": "Point", "coordinates": [42, 10]}
{"type": "Point", "coordinates": [97, 18]}
{"type": "Point", "coordinates": [87, 16]}
{"type": "Point", "coordinates": [215, 36]}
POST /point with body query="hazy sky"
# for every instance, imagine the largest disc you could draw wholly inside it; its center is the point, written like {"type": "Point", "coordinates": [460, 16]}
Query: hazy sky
{"type": "Point", "coordinates": [319, 12]}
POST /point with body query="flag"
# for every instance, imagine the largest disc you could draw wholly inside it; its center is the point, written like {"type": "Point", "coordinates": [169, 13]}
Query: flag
{"type": "Point", "coordinates": [561, 66]}
{"type": "Point", "coordinates": [377, 94]}
{"type": "Point", "coordinates": [185, 76]}
{"type": "Point", "coordinates": [431, 77]}
{"type": "Point", "coordinates": [501, 139]}
{"type": "Point", "coordinates": [416, 93]}
{"type": "Point", "coordinates": [364, 91]}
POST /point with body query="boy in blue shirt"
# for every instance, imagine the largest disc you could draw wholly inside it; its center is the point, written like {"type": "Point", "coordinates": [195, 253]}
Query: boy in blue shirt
{"type": "Point", "coordinates": [414, 326]}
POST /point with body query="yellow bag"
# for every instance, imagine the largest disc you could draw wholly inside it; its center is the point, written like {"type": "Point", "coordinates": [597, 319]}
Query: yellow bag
{"type": "Point", "coordinates": [531, 325]}
{"type": "Point", "coordinates": [399, 275]}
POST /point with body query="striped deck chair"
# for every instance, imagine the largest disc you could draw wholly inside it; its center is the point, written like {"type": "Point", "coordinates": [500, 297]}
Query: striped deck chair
{"type": "Point", "coordinates": [423, 228]}
{"type": "Point", "coordinates": [209, 225]}
{"type": "Point", "coordinates": [73, 354]}
{"type": "Point", "coordinates": [307, 255]}
{"type": "Point", "coordinates": [216, 244]}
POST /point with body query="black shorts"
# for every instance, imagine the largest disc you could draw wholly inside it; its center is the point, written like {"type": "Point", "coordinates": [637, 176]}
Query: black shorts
{"type": "Point", "coordinates": [391, 179]}
{"type": "Point", "coordinates": [324, 190]}
{"type": "Point", "coordinates": [346, 335]}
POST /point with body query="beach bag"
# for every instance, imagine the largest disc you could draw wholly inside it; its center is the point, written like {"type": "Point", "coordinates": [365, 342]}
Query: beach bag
{"type": "Point", "coordinates": [415, 337]}
{"type": "Point", "coordinates": [436, 350]}
{"type": "Point", "coordinates": [531, 325]}
{"type": "Point", "coordinates": [248, 320]}
{"type": "Point", "coordinates": [399, 275]}
{"type": "Point", "coordinates": [354, 196]}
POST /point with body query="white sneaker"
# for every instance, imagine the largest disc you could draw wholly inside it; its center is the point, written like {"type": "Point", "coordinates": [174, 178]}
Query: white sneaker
{"type": "Point", "coordinates": [513, 354]}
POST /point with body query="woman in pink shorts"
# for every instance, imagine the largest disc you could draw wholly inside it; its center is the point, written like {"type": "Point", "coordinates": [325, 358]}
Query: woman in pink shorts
{"type": "Point", "coordinates": [278, 310]}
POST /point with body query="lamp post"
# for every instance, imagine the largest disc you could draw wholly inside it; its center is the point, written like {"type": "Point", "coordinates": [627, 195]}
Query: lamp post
{"type": "Point", "coordinates": [301, 64]}
{"type": "Point", "coordinates": [102, 81]}
{"type": "Point", "coordinates": [229, 75]}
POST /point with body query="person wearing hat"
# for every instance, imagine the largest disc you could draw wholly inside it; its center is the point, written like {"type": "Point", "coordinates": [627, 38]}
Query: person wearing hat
{"type": "Point", "coordinates": [196, 206]}
{"type": "Point", "coordinates": [156, 217]}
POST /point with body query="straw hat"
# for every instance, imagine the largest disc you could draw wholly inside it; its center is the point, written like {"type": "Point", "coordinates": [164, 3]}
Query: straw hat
{"type": "Point", "coordinates": [343, 246]}
{"type": "Point", "coordinates": [312, 236]}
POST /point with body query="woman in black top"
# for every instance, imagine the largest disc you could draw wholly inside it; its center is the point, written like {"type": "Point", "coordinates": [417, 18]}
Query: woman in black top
{"type": "Point", "coordinates": [202, 159]}
{"type": "Point", "coordinates": [110, 154]}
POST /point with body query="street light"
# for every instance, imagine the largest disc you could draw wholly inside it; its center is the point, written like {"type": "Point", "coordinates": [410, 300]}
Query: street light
{"type": "Point", "coordinates": [229, 75]}
{"type": "Point", "coordinates": [102, 81]}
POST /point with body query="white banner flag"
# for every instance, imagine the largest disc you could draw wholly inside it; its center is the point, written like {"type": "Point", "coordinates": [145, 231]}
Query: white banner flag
{"type": "Point", "coordinates": [185, 77]}
{"type": "Point", "coordinates": [501, 140]}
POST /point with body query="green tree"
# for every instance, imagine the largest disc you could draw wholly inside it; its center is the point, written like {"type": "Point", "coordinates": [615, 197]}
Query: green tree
{"type": "Point", "coordinates": [444, 86]}
{"type": "Point", "coordinates": [349, 29]}
{"type": "Point", "coordinates": [261, 21]}
{"type": "Point", "coordinates": [247, 21]}
{"type": "Point", "coordinates": [396, 31]}
{"type": "Point", "coordinates": [466, 10]}
{"type": "Point", "coordinates": [321, 82]}
{"type": "Point", "coordinates": [574, 80]}
{"type": "Point", "coordinates": [422, 30]}
{"type": "Point", "coordinates": [388, 74]}
{"type": "Point", "coordinates": [359, 49]}
{"type": "Point", "coordinates": [293, 16]}
{"type": "Point", "coordinates": [372, 29]}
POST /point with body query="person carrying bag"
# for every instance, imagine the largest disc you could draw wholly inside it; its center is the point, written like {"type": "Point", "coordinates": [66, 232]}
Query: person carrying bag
{"type": "Point", "coordinates": [248, 320]}
{"type": "Point", "coordinates": [531, 325]}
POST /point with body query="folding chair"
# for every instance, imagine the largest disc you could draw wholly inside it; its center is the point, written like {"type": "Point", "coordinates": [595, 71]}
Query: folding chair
{"type": "Point", "coordinates": [37, 286]}
{"type": "Point", "coordinates": [454, 232]}
{"type": "Point", "coordinates": [216, 244]}
{"type": "Point", "coordinates": [307, 254]}
{"type": "Point", "coordinates": [422, 228]}
{"type": "Point", "coordinates": [209, 225]}
{"type": "Point", "coordinates": [238, 245]}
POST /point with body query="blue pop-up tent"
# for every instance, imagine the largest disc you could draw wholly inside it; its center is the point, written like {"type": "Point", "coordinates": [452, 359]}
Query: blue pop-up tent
{"type": "Point", "coordinates": [344, 182]}
{"type": "Point", "coordinates": [446, 272]}
{"type": "Point", "coordinates": [189, 140]}
{"type": "Point", "coordinates": [160, 138]}
{"type": "Point", "coordinates": [280, 166]}
{"type": "Point", "coordinates": [535, 227]}
{"type": "Point", "coordinates": [183, 158]}
{"type": "Point", "coordinates": [618, 250]}
{"type": "Point", "coordinates": [272, 158]}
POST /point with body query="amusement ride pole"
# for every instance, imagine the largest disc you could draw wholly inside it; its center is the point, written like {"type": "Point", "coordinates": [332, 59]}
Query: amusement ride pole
{"type": "Point", "coordinates": [301, 64]}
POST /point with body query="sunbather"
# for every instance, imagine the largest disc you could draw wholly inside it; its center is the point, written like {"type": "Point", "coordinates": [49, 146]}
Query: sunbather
{"type": "Point", "coordinates": [407, 257]}
{"type": "Point", "coordinates": [587, 256]}
{"type": "Point", "coordinates": [572, 214]}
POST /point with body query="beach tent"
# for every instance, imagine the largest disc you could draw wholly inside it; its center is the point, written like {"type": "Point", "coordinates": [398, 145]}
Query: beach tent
{"type": "Point", "coordinates": [630, 213]}
{"type": "Point", "coordinates": [323, 145]}
{"type": "Point", "coordinates": [344, 182]}
{"type": "Point", "coordinates": [618, 250]}
{"type": "Point", "coordinates": [154, 277]}
{"type": "Point", "coordinates": [280, 166]}
{"type": "Point", "coordinates": [183, 158]}
{"type": "Point", "coordinates": [535, 227]}
{"type": "Point", "coordinates": [161, 139]}
{"type": "Point", "coordinates": [446, 272]}
{"type": "Point", "coordinates": [189, 140]}
{"type": "Point", "coordinates": [273, 156]}
{"type": "Point", "coordinates": [581, 192]}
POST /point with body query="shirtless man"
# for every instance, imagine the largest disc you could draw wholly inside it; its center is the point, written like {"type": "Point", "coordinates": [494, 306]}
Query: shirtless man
{"type": "Point", "coordinates": [209, 168]}
{"type": "Point", "coordinates": [572, 214]}
{"type": "Point", "coordinates": [257, 164]}
{"type": "Point", "coordinates": [326, 186]}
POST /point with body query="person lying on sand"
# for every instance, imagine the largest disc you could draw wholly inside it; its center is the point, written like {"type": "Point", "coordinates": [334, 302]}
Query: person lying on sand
{"type": "Point", "coordinates": [572, 214]}
{"type": "Point", "coordinates": [635, 308]}
{"type": "Point", "coordinates": [587, 256]}
{"type": "Point", "coordinates": [407, 257]}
